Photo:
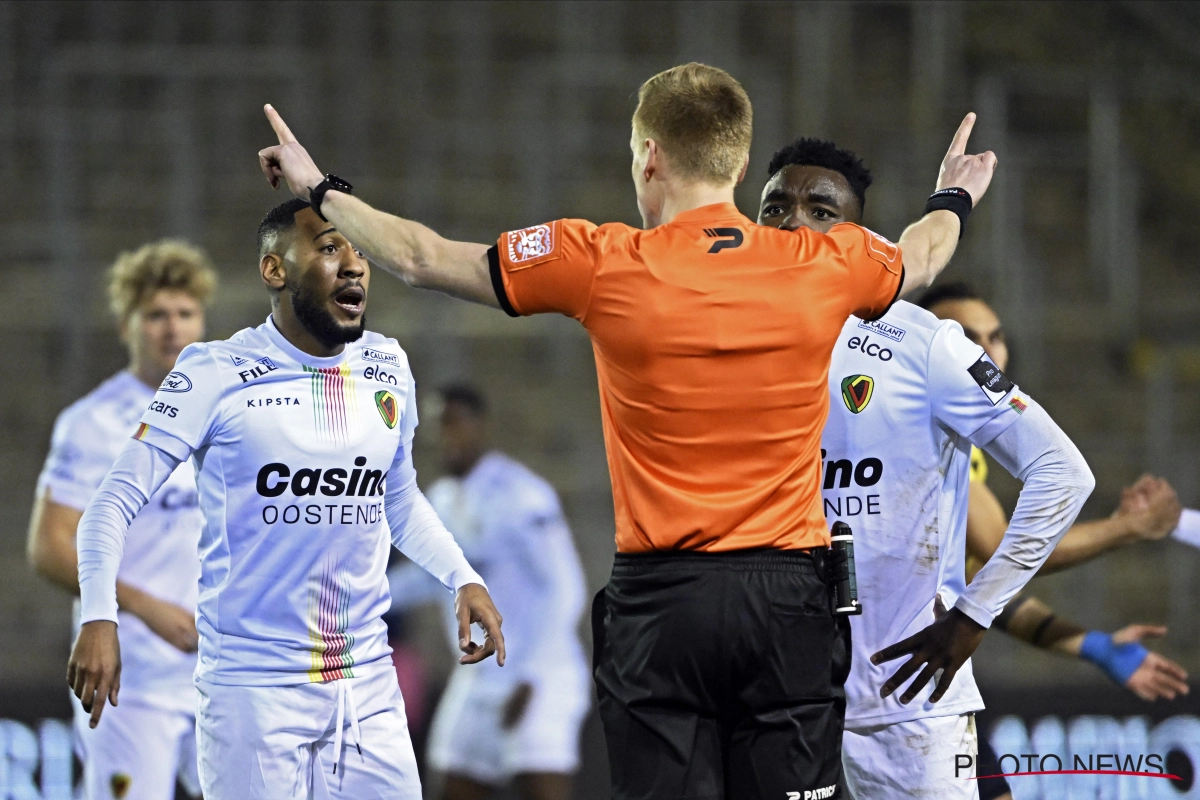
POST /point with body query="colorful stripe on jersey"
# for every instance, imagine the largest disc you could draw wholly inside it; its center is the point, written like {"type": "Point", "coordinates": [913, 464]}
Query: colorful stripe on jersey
{"type": "Point", "coordinates": [334, 409]}
{"type": "Point", "coordinates": [1018, 404]}
{"type": "Point", "coordinates": [142, 430]}
{"type": "Point", "coordinates": [328, 619]}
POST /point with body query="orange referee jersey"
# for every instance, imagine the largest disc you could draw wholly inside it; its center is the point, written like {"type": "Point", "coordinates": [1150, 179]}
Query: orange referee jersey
{"type": "Point", "coordinates": [713, 337]}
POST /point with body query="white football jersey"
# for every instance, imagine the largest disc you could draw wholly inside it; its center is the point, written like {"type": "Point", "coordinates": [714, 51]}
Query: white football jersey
{"type": "Point", "coordinates": [511, 528]}
{"type": "Point", "coordinates": [910, 394]}
{"type": "Point", "coordinates": [161, 548]}
{"type": "Point", "coordinates": [291, 454]}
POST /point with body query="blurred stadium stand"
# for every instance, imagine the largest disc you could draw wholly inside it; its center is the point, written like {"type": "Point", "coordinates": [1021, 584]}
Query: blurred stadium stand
{"type": "Point", "coordinates": [126, 121]}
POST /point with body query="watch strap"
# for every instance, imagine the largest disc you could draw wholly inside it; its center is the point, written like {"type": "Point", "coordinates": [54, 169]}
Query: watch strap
{"type": "Point", "coordinates": [316, 195]}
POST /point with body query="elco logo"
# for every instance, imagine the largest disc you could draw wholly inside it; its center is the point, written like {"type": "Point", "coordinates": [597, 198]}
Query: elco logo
{"type": "Point", "coordinates": [813, 794]}
{"type": "Point", "coordinates": [377, 373]}
{"type": "Point", "coordinates": [261, 367]}
{"type": "Point", "coordinates": [176, 382]}
{"type": "Point", "coordinates": [870, 348]}
{"type": "Point", "coordinates": [729, 238]}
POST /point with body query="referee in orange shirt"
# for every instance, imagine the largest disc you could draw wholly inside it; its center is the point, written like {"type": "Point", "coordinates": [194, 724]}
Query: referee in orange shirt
{"type": "Point", "coordinates": [719, 661]}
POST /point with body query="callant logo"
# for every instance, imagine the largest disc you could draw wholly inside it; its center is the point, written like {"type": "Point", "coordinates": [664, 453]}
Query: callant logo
{"type": "Point", "coordinates": [380, 356]}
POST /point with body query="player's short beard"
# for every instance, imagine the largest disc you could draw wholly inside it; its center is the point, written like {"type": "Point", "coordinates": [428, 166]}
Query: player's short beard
{"type": "Point", "coordinates": [316, 319]}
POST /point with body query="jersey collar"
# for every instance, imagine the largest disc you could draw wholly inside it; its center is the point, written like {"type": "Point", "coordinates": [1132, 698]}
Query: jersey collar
{"type": "Point", "coordinates": [280, 341]}
{"type": "Point", "coordinates": [715, 212]}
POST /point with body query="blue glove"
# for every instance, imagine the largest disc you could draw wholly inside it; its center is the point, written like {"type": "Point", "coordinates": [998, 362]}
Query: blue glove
{"type": "Point", "coordinates": [1117, 661]}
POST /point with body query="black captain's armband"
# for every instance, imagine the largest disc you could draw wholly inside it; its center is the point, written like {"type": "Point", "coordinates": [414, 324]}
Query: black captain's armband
{"type": "Point", "coordinates": [956, 200]}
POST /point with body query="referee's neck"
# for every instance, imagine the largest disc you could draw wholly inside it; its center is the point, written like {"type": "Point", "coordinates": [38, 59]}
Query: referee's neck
{"type": "Point", "coordinates": [678, 198]}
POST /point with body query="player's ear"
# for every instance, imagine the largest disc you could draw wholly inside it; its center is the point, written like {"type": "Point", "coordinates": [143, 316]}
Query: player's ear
{"type": "Point", "coordinates": [654, 158]}
{"type": "Point", "coordinates": [742, 174]}
{"type": "Point", "coordinates": [274, 275]}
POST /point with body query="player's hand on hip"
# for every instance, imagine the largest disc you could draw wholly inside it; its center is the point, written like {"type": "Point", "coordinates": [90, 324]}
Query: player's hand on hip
{"type": "Point", "coordinates": [973, 173]}
{"type": "Point", "coordinates": [288, 160]}
{"type": "Point", "coordinates": [1158, 677]}
{"type": "Point", "coordinates": [473, 604]}
{"type": "Point", "coordinates": [945, 645]}
{"type": "Point", "coordinates": [94, 671]}
{"type": "Point", "coordinates": [173, 623]}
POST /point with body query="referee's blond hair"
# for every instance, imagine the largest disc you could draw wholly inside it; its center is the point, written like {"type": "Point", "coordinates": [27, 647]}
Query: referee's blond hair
{"type": "Point", "coordinates": [166, 264]}
{"type": "Point", "coordinates": [702, 119]}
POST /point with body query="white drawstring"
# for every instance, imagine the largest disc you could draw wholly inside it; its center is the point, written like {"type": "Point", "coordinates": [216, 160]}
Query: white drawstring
{"type": "Point", "coordinates": [345, 697]}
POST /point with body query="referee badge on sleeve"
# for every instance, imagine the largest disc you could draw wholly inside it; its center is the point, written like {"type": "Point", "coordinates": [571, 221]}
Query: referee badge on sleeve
{"type": "Point", "coordinates": [856, 392]}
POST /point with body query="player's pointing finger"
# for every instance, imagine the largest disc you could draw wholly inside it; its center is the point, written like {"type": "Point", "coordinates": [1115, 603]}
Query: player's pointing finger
{"type": "Point", "coordinates": [281, 129]}
{"type": "Point", "coordinates": [958, 146]}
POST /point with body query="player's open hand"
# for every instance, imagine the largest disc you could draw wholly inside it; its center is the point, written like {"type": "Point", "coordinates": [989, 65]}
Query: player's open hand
{"type": "Point", "coordinates": [1158, 677]}
{"type": "Point", "coordinates": [288, 160]}
{"type": "Point", "coordinates": [973, 173]}
{"type": "Point", "coordinates": [94, 671]}
{"type": "Point", "coordinates": [1150, 507]}
{"type": "Point", "coordinates": [473, 604]}
{"type": "Point", "coordinates": [945, 645]}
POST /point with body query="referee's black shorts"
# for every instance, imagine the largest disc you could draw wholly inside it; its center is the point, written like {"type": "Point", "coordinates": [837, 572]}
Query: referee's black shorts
{"type": "Point", "coordinates": [720, 676]}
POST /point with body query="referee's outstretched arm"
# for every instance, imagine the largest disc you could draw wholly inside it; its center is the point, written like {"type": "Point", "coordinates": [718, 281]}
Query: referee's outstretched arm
{"type": "Point", "coordinates": [423, 258]}
{"type": "Point", "coordinates": [929, 243]}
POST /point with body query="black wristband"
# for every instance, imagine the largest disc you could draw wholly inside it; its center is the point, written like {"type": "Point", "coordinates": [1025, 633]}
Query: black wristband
{"type": "Point", "coordinates": [956, 200]}
{"type": "Point", "coordinates": [1040, 631]}
{"type": "Point", "coordinates": [316, 195]}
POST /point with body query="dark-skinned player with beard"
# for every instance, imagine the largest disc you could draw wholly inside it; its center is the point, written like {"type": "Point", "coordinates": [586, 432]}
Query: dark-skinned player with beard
{"type": "Point", "coordinates": [300, 432]}
{"type": "Point", "coordinates": [910, 395]}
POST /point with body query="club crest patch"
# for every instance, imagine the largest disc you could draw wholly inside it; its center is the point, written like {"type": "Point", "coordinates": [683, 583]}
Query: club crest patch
{"type": "Point", "coordinates": [857, 391]}
{"type": "Point", "coordinates": [119, 783]}
{"type": "Point", "coordinates": [386, 403]}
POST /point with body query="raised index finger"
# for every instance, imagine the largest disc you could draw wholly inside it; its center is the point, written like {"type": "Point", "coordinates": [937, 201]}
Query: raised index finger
{"type": "Point", "coordinates": [958, 146]}
{"type": "Point", "coordinates": [281, 129]}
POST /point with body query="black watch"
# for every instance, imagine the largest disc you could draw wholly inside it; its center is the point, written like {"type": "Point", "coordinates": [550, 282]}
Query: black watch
{"type": "Point", "coordinates": [316, 195]}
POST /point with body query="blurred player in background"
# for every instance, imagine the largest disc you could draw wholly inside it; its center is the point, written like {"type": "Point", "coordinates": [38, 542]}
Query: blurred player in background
{"type": "Point", "coordinates": [909, 396]}
{"type": "Point", "coordinates": [158, 295]}
{"type": "Point", "coordinates": [300, 432]}
{"type": "Point", "coordinates": [518, 724]}
{"type": "Point", "coordinates": [718, 655]}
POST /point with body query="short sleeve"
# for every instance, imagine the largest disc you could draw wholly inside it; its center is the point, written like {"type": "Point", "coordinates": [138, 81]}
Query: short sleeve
{"type": "Point", "coordinates": [874, 269]}
{"type": "Point", "coordinates": [72, 471]}
{"type": "Point", "coordinates": [181, 417]}
{"type": "Point", "coordinates": [970, 395]}
{"type": "Point", "coordinates": [545, 268]}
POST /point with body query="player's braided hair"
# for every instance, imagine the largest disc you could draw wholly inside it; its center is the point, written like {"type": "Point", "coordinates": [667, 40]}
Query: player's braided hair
{"type": "Point", "coordinates": [166, 264]}
{"type": "Point", "coordinates": [280, 218]}
{"type": "Point", "coordinates": [824, 153]}
{"type": "Point", "coordinates": [957, 290]}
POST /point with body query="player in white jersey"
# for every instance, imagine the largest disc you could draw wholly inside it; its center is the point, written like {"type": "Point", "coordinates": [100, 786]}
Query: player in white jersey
{"type": "Point", "coordinates": [520, 724]}
{"type": "Point", "coordinates": [300, 432]}
{"type": "Point", "coordinates": [158, 294]}
{"type": "Point", "coordinates": [911, 395]}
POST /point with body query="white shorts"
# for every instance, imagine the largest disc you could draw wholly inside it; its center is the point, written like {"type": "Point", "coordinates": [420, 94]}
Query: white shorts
{"type": "Point", "coordinates": [137, 752]}
{"type": "Point", "coordinates": [911, 759]}
{"type": "Point", "coordinates": [282, 742]}
{"type": "Point", "coordinates": [466, 737]}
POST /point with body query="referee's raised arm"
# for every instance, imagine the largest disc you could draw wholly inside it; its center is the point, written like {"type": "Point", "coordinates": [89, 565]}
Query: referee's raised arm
{"type": "Point", "coordinates": [929, 243]}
